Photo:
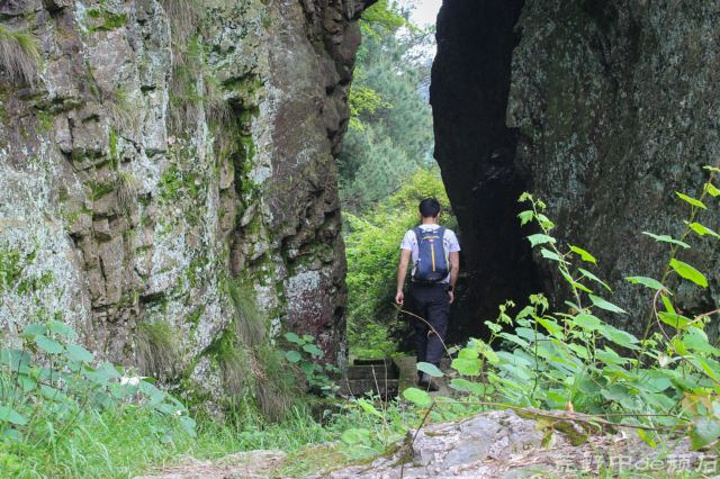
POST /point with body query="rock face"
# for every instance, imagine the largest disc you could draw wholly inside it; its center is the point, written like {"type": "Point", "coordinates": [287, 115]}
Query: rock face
{"type": "Point", "coordinates": [158, 155]}
{"type": "Point", "coordinates": [603, 109]}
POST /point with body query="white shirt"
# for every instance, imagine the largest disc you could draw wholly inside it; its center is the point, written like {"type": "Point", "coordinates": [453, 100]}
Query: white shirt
{"type": "Point", "coordinates": [450, 243]}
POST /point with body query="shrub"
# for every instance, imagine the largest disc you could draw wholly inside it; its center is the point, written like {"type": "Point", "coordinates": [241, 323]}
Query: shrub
{"type": "Point", "coordinates": [53, 390]}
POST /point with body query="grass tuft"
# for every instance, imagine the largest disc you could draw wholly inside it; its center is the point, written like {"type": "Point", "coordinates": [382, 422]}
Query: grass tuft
{"type": "Point", "coordinates": [19, 55]}
{"type": "Point", "coordinates": [158, 349]}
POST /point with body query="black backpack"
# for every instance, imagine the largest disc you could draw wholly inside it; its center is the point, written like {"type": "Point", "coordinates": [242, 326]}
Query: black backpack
{"type": "Point", "coordinates": [432, 263]}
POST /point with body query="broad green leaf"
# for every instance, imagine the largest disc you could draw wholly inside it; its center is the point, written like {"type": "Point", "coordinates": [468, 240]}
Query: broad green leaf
{"type": "Point", "coordinates": [48, 345]}
{"type": "Point", "coordinates": [647, 438]}
{"type": "Point", "coordinates": [697, 340]}
{"type": "Point", "coordinates": [189, 425]}
{"type": "Point", "coordinates": [705, 431]}
{"type": "Point", "coordinates": [355, 436]}
{"type": "Point", "coordinates": [666, 239]}
{"type": "Point", "coordinates": [540, 238]}
{"type": "Point", "coordinates": [587, 321]}
{"type": "Point", "coordinates": [472, 387]}
{"type": "Point", "coordinates": [619, 337]}
{"type": "Point", "coordinates": [430, 369]}
{"type": "Point", "coordinates": [418, 397]}
{"type": "Point", "coordinates": [369, 408]}
{"type": "Point", "coordinates": [584, 255]}
{"type": "Point", "coordinates": [307, 338]}
{"type": "Point", "coordinates": [468, 353]}
{"type": "Point", "coordinates": [525, 217]}
{"type": "Point", "coordinates": [26, 383]}
{"type": "Point", "coordinates": [314, 350]}
{"type": "Point", "coordinates": [293, 356]}
{"type": "Point", "coordinates": [688, 272]}
{"type": "Point", "coordinates": [294, 338]}
{"type": "Point", "coordinates": [32, 330]}
{"type": "Point", "coordinates": [675, 320]}
{"type": "Point", "coordinates": [712, 190]}
{"type": "Point", "coordinates": [645, 281]}
{"type": "Point", "coordinates": [16, 359]}
{"type": "Point", "coordinates": [606, 305]}
{"type": "Point", "coordinates": [591, 276]}
{"type": "Point", "coordinates": [78, 353]}
{"type": "Point", "coordinates": [61, 329]}
{"type": "Point", "coordinates": [308, 368]}
{"type": "Point", "coordinates": [547, 254]}
{"type": "Point", "coordinates": [702, 230]}
{"type": "Point", "coordinates": [544, 221]}
{"type": "Point", "coordinates": [466, 367]}
{"type": "Point", "coordinates": [691, 200]}
{"type": "Point", "coordinates": [553, 328]}
{"type": "Point", "coordinates": [7, 414]}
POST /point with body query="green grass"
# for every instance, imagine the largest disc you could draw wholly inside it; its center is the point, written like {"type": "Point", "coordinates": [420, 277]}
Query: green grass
{"type": "Point", "coordinates": [116, 445]}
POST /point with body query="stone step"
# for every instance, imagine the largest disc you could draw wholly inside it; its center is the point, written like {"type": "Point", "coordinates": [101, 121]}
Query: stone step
{"type": "Point", "coordinates": [386, 388]}
{"type": "Point", "coordinates": [373, 372]}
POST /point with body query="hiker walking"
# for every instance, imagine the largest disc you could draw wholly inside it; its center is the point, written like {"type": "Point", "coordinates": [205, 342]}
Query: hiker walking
{"type": "Point", "coordinates": [434, 251]}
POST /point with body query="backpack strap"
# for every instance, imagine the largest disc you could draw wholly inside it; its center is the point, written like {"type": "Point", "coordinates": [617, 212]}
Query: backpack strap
{"type": "Point", "coordinates": [418, 234]}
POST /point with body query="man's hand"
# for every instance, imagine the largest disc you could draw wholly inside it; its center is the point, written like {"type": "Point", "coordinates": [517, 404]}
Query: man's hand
{"type": "Point", "coordinates": [452, 296]}
{"type": "Point", "coordinates": [400, 298]}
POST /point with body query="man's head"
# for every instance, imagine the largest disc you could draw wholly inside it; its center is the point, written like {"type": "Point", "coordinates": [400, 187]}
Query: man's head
{"type": "Point", "coordinates": [429, 208]}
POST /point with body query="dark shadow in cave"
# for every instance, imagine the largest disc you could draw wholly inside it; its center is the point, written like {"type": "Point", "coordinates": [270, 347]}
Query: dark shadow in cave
{"type": "Point", "coordinates": [476, 153]}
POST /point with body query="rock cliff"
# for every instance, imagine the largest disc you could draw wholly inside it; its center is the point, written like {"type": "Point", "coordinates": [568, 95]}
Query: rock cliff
{"type": "Point", "coordinates": [157, 156]}
{"type": "Point", "coordinates": [603, 109]}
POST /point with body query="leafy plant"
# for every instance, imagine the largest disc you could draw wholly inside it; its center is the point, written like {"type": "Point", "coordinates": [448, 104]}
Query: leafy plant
{"type": "Point", "coordinates": [51, 384]}
{"type": "Point", "coordinates": [308, 357]}
{"type": "Point", "coordinates": [575, 360]}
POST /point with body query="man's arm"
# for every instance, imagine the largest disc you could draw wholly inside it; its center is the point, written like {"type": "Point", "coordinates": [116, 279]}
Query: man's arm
{"type": "Point", "coordinates": [454, 271]}
{"type": "Point", "coordinates": [401, 273]}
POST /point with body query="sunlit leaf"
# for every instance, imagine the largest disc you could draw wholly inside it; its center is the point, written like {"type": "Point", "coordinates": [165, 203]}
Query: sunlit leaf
{"type": "Point", "coordinates": [466, 367]}
{"type": "Point", "coordinates": [606, 305]}
{"type": "Point", "coordinates": [584, 255]}
{"type": "Point", "coordinates": [78, 353]}
{"type": "Point", "coordinates": [293, 356]}
{"type": "Point", "coordinates": [702, 230]}
{"type": "Point", "coordinates": [547, 254]}
{"type": "Point", "coordinates": [430, 369]}
{"type": "Point", "coordinates": [48, 345]}
{"type": "Point", "coordinates": [675, 320]}
{"type": "Point", "coordinates": [712, 190]}
{"type": "Point", "coordinates": [645, 281]}
{"type": "Point", "coordinates": [705, 431]}
{"type": "Point", "coordinates": [666, 239]}
{"type": "Point", "coordinates": [8, 414]}
{"type": "Point", "coordinates": [688, 272]}
{"type": "Point", "coordinates": [539, 238]}
{"type": "Point", "coordinates": [591, 276]}
{"type": "Point", "coordinates": [294, 338]}
{"type": "Point", "coordinates": [418, 397]}
{"type": "Point", "coordinates": [691, 200]}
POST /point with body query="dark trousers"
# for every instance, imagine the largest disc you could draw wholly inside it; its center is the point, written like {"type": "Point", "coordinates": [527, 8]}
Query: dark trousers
{"type": "Point", "coordinates": [432, 303]}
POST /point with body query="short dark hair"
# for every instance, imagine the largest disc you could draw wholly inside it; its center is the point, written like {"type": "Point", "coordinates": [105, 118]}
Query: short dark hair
{"type": "Point", "coordinates": [429, 208]}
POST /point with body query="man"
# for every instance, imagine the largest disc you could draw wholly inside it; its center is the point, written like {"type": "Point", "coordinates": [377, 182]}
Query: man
{"type": "Point", "coordinates": [431, 294]}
